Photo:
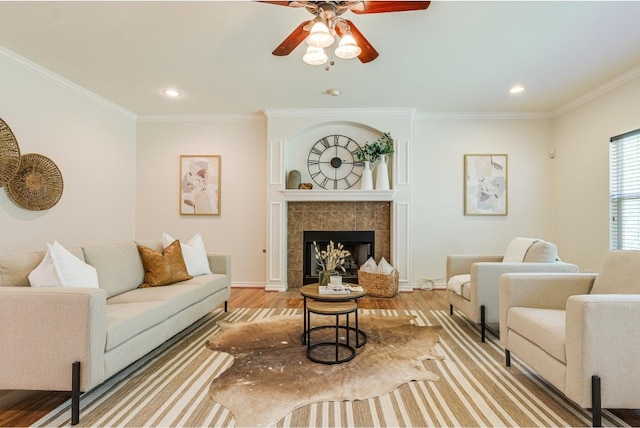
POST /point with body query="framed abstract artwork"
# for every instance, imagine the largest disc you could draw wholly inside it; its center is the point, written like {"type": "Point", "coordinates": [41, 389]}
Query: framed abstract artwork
{"type": "Point", "coordinates": [200, 184]}
{"type": "Point", "coordinates": [485, 184]}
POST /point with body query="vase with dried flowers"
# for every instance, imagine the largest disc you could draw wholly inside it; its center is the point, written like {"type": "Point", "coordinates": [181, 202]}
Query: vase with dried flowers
{"type": "Point", "coordinates": [330, 260]}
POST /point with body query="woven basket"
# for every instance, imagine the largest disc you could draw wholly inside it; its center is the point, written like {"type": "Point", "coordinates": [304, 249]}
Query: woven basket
{"type": "Point", "coordinates": [379, 284]}
{"type": "Point", "coordinates": [9, 154]}
{"type": "Point", "coordinates": [38, 184]}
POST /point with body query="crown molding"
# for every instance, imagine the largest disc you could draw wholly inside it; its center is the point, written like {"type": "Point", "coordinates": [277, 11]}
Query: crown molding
{"type": "Point", "coordinates": [52, 77]}
{"type": "Point", "coordinates": [483, 116]}
{"type": "Point", "coordinates": [339, 112]}
{"type": "Point", "coordinates": [249, 117]}
{"type": "Point", "coordinates": [612, 84]}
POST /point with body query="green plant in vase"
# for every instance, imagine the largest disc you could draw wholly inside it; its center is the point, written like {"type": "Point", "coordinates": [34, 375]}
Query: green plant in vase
{"type": "Point", "coordinates": [371, 152]}
{"type": "Point", "coordinates": [330, 260]}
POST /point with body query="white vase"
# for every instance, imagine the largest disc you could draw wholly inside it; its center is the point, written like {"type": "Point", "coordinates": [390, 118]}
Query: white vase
{"type": "Point", "coordinates": [382, 173]}
{"type": "Point", "coordinates": [366, 181]}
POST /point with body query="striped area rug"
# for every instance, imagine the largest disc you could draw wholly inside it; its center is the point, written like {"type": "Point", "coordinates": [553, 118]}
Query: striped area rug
{"type": "Point", "coordinates": [169, 387]}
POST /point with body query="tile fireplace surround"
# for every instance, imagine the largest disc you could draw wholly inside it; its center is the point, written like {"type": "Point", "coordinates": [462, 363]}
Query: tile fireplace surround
{"type": "Point", "coordinates": [339, 216]}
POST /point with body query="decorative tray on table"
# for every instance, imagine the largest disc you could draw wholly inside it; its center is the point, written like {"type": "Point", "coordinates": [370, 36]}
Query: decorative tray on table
{"type": "Point", "coordinates": [338, 289]}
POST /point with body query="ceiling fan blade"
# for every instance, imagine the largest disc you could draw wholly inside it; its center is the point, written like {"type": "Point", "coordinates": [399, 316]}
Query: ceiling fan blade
{"type": "Point", "coordinates": [368, 53]}
{"type": "Point", "coordinates": [390, 6]}
{"type": "Point", "coordinates": [283, 3]}
{"type": "Point", "coordinates": [292, 41]}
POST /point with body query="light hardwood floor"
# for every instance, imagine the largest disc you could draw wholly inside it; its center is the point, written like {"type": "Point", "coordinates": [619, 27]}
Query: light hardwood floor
{"type": "Point", "coordinates": [22, 408]}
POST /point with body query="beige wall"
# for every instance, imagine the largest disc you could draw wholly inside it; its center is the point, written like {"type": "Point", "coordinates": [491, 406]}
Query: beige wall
{"type": "Point", "coordinates": [439, 226]}
{"type": "Point", "coordinates": [581, 172]}
{"type": "Point", "coordinates": [120, 183]}
{"type": "Point", "coordinates": [240, 229]}
{"type": "Point", "coordinates": [93, 145]}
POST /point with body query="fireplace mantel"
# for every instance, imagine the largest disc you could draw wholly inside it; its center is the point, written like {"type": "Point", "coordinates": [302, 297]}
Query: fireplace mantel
{"type": "Point", "coordinates": [338, 195]}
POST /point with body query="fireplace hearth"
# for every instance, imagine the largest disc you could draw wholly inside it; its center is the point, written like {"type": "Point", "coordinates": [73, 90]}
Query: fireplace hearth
{"type": "Point", "coordinates": [361, 245]}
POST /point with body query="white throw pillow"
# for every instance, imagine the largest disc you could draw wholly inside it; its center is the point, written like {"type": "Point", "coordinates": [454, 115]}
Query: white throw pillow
{"type": "Point", "coordinates": [517, 250]}
{"type": "Point", "coordinates": [369, 266]}
{"type": "Point", "coordinates": [385, 267]}
{"type": "Point", "coordinates": [60, 268]}
{"type": "Point", "coordinates": [194, 254]}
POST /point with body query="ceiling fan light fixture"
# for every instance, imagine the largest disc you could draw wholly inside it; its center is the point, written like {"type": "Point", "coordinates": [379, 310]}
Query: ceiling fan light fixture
{"type": "Point", "coordinates": [315, 56]}
{"type": "Point", "coordinates": [348, 48]}
{"type": "Point", "coordinates": [319, 37]}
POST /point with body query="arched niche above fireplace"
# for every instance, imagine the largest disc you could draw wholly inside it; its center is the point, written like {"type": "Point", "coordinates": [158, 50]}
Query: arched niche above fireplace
{"type": "Point", "coordinates": [297, 147]}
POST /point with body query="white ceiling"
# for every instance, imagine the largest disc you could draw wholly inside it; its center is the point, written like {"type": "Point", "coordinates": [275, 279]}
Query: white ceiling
{"type": "Point", "coordinates": [453, 57]}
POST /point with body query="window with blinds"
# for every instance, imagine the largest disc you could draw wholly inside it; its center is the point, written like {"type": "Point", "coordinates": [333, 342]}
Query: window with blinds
{"type": "Point", "coordinates": [624, 191]}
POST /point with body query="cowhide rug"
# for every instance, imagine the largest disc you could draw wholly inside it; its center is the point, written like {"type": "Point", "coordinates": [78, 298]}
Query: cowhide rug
{"type": "Point", "coordinates": [271, 375]}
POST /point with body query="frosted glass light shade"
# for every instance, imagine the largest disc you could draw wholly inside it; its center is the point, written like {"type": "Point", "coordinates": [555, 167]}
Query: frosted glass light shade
{"type": "Point", "coordinates": [348, 48]}
{"type": "Point", "coordinates": [315, 56]}
{"type": "Point", "coordinates": [319, 36]}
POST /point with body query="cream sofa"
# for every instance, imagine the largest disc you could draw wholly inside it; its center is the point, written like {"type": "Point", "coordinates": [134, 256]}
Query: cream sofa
{"type": "Point", "coordinates": [476, 294]}
{"type": "Point", "coordinates": [579, 331]}
{"type": "Point", "coordinates": [46, 331]}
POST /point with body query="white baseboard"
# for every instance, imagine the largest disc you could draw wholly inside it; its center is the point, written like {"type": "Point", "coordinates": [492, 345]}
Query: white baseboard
{"type": "Point", "coordinates": [402, 288]}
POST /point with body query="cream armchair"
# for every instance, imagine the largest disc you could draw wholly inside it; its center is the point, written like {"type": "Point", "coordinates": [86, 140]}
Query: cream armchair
{"type": "Point", "coordinates": [579, 331]}
{"type": "Point", "coordinates": [473, 280]}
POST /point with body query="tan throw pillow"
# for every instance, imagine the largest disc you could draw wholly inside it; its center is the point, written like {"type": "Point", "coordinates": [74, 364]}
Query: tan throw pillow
{"type": "Point", "coordinates": [163, 269]}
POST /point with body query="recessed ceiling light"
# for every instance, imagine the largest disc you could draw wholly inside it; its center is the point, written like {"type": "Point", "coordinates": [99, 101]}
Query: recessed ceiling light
{"type": "Point", "coordinates": [516, 89]}
{"type": "Point", "coordinates": [333, 92]}
{"type": "Point", "coordinates": [171, 92]}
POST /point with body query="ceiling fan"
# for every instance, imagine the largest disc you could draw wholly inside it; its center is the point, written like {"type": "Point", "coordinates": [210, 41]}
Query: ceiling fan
{"type": "Point", "coordinates": [328, 14]}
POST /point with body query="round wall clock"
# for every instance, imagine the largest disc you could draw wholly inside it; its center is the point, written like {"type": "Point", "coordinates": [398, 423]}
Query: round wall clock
{"type": "Point", "coordinates": [332, 163]}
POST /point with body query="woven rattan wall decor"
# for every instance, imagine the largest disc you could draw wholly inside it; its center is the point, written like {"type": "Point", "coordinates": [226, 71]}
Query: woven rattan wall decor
{"type": "Point", "coordinates": [9, 154]}
{"type": "Point", "coordinates": [38, 183]}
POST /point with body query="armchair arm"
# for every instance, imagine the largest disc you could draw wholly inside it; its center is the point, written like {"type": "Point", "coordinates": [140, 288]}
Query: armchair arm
{"type": "Point", "coordinates": [602, 338]}
{"type": "Point", "coordinates": [461, 264]}
{"type": "Point", "coordinates": [485, 280]}
{"type": "Point", "coordinates": [44, 330]}
{"type": "Point", "coordinates": [220, 263]}
{"type": "Point", "coordinates": [539, 290]}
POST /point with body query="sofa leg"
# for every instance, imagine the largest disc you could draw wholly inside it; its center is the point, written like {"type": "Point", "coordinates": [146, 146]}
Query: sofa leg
{"type": "Point", "coordinates": [507, 358]}
{"type": "Point", "coordinates": [75, 393]}
{"type": "Point", "coordinates": [226, 308]}
{"type": "Point", "coordinates": [450, 309]}
{"type": "Point", "coordinates": [596, 402]}
{"type": "Point", "coordinates": [483, 333]}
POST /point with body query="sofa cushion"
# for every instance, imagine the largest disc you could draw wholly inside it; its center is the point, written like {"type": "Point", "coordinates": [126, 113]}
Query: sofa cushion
{"type": "Point", "coordinates": [163, 269]}
{"type": "Point", "coordinates": [544, 327]}
{"type": "Point", "coordinates": [619, 274]}
{"type": "Point", "coordinates": [119, 266]}
{"type": "Point", "coordinates": [132, 312]}
{"type": "Point", "coordinates": [541, 252]}
{"type": "Point", "coordinates": [61, 268]}
{"type": "Point", "coordinates": [126, 320]}
{"type": "Point", "coordinates": [16, 267]}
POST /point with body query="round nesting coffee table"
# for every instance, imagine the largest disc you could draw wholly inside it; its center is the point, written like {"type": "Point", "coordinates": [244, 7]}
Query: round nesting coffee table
{"type": "Point", "coordinates": [331, 351]}
{"type": "Point", "coordinates": [312, 291]}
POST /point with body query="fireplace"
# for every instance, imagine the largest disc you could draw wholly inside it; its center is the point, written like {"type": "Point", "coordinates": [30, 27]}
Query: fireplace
{"type": "Point", "coordinates": [361, 245]}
